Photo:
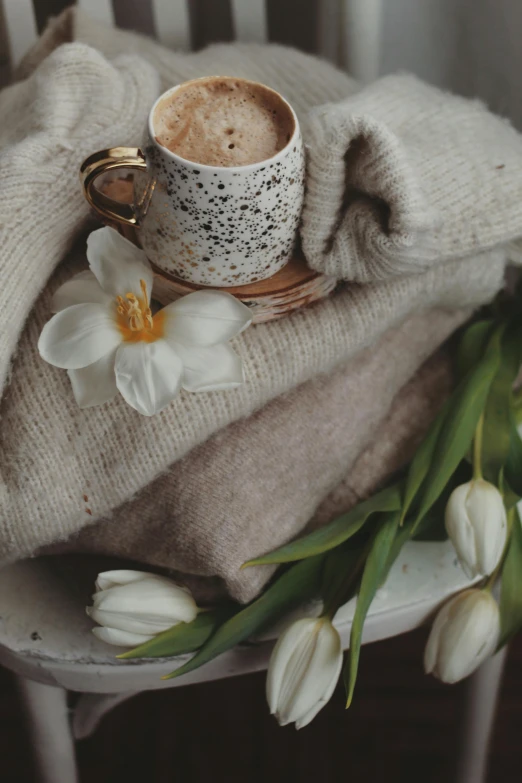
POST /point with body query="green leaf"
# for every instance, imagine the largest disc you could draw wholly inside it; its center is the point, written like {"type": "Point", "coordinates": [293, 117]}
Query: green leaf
{"type": "Point", "coordinates": [340, 576]}
{"type": "Point", "coordinates": [402, 537]}
{"type": "Point", "coordinates": [421, 462]}
{"type": "Point", "coordinates": [184, 637]}
{"type": "Point", "coordinates": [330, 536]}
{"type": "Point", "coordinates": [510, 498]}
{"type": "Point", "coordinates": [513, 467]}
{"type": "Point", "coordinates": [472, 346]}
{"type": "Point", "coordinates": [372, 578]}
{"type": "Point", "coordinates": [432, 526]}
{"type": "Point", "coordinates": [517, 405]}
{"type": "Point", "coordinates": [497, 414]}
{"type": "Point", "coordinates": [511, 589]}
{"type": "Point", "coordinates": [299, 583]}
{"type": "Point", "coordinates": [467, 404]}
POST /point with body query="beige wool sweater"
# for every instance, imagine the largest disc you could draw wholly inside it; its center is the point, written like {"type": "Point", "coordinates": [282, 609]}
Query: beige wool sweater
{"type": "Point", "coordinates": [62, 468]}
{"type": "Point", "coordinates": [257, 483]}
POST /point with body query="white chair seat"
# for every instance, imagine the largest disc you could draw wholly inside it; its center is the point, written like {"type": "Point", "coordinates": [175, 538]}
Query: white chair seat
{"type": "Point", "coordinates": [45, 634]}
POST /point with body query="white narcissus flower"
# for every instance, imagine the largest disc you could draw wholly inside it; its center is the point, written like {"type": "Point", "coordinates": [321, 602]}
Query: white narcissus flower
{"type": "Point", "coordinates": [133, 606]}
{"type": "Point", "coordinates": [303, 670]}
{"type": "Point", "coordinates": [465, 633]}
{"type": "Point", "coordinates": [477, 526]}
{"type": "Point", "coordinates": [106, 336]}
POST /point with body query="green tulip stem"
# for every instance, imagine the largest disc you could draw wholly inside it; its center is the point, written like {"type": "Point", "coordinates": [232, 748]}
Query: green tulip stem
{"type": "Point", "coordinates": [477, 449]}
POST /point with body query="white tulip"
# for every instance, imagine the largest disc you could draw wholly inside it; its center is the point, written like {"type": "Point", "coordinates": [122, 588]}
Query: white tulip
{"type": "Point", "coordinates": [105, 335]}
{"type": "Point", "coordinates": [465, 632]}
{"type": "Point", "coordinates": [133, 606]}
{"type": "Point", "coordinates": [477, 526]}
{"type": "Point", "coordinates": [303, 671]}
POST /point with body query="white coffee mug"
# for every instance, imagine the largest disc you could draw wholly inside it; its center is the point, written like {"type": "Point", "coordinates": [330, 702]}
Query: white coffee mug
{"type": "Point", "coordinates": [208, 225]}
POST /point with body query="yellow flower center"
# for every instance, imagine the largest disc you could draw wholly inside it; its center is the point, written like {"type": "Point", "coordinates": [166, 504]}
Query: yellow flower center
{"type": "Point", "coordinates": [135, 320]}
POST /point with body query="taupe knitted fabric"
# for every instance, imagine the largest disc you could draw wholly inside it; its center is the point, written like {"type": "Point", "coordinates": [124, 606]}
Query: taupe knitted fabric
{"type": "Point", "coordinates": [403, 176]}
{"type": "Point", "coordinates": [61, 467]}
{"type": "Point", "coordinates": [256, 484]}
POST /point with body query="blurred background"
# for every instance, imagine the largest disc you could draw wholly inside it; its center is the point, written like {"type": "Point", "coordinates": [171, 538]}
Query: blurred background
{"type": "Point", "coordinates": [402, 726]}
{"type": "Point", "coordinates": [469, 46]}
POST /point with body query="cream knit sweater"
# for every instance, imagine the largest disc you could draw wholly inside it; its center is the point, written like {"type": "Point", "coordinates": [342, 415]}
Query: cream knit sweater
{"type": "Point", "coordinates": [54, 456]}
{"type": "Point", "coordinates": [403, 177]}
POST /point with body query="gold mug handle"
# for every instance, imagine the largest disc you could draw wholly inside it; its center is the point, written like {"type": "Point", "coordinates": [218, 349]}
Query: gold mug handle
{"type": "Point", "coordinates": [100, 163]}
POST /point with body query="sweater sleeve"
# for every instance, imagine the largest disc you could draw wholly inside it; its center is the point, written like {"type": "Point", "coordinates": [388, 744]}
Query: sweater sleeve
{"type": "Point", "coordinates": [403, 177]}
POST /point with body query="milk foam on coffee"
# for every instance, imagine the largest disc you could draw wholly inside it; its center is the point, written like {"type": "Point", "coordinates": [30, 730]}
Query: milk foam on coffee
{"type": "Point", "coordinates": [222, 121]}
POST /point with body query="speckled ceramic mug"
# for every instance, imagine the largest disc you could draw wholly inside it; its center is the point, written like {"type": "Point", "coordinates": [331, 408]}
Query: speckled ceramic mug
{"type": "Point", "coordinates": [208, 225]}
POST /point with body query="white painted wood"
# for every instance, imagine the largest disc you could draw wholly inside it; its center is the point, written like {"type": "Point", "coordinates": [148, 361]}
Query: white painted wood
{"type": "Point", "coordinates": [21, 28]}
{"type": "Point", "coordinates": [101, 10]}
{"type": "Point", "coordinates": [328, 30]}
{"type": "Point", "coordinates": [481, 703]}
{"type": "Point", "coordinates": [46, 635]}
{"type": "Point", "coordinates": [250, 21]}
{"type": "Point", "coordinates": [172, 23]}
{"type": "Point", "coordinates": [362, 27]}
{"type": "Point", "coordinates": [50, 730]}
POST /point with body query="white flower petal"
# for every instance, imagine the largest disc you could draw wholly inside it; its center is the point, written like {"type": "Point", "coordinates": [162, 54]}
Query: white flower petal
{"type": "Point", "coordinates": [78, 336]}
{"type": "Point", "coordinates": [295, 637]}
{"type": "Point", "coordinates": [324, 654]}
{"type": "Point", "coordinates": [431, 651]}
{"type": "Point", "coordinates": [465, 633]}
{"type": "Point", "coordinates": [78, 290]}
{"type": "Point", "coordinates": [133, 623]}
{"type": "Point", "coordinates": [308, 717]}
{"type": "Point", "coordinates": [121, 576]}
{"type": "Point", "coordinates": [486, 511]}
{"type": "Point", "coordinates": [212, 368]}
{"type": "Point", "coordinates": [470, 636]}
{"type": "Point", "coordinates": [96, 383]}
{"type": "Point", "coordinates": [158, 598]}
{"type": "Point", "coordinates": [148, 375]}
{"type": "Point", "coordinates": [206, 318]}
{"type": "Point", "coordinates": [476, 523]}
{"type": "Point", "coordinates": [120, 638]}
{"type": "Point", "coordinates": [117, 263]}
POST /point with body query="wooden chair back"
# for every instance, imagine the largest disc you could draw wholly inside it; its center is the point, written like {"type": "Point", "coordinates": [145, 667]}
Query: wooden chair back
{"type": "Point", "coordinates": [346, 32]}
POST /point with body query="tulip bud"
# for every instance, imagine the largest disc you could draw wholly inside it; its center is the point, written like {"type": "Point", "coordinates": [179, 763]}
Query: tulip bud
{"type": "Point", "coordinates": [303, 670]}
{"type": "Point", "coordinates": [133, 606]}
{"type": "Point", "coordinates": [465, 632]}
{"type": "Point", "coordinates": [477, 526]}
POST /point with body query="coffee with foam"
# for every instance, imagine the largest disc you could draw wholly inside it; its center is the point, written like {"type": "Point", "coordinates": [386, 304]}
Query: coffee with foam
{"type": "Point", "coordinates": [223, 121]}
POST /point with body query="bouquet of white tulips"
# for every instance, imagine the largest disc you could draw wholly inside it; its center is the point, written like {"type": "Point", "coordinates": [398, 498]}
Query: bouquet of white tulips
{"type": "Point", "coordinates": [464, 482]}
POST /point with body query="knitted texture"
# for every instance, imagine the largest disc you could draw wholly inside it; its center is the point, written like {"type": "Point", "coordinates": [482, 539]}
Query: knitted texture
{"type": "Point", "coordinates": [75, 102]}
{"type": "Point", "coordinates": [61, 467]}
{"type": "Point", "coordinates": [403, 177]}
{"type": "Point", "coordinates": [395, 441]}
{"type": "Point", "coordinates": [317, 432]}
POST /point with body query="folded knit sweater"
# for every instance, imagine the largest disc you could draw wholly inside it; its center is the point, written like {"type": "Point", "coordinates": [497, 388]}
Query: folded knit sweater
{"type": "Point", "coordinates": [88, 95]}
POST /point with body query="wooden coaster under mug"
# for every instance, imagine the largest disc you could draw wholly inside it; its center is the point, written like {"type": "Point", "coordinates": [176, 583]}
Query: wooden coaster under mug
{"type": "Point", "coordinates": [294, 286]}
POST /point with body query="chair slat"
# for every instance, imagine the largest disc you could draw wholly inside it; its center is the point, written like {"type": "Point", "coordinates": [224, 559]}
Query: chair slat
{"type": "Point", "coordinates": [20, 22]}
{"type": "Point", "coordinates": [101, 10]}
{"type": "Point", "coordinates": [172, 23]}
{"type": "Point", "coordinates": [250, 21]}
{"type": "Point", "coordinates": [328, 32]}
{"type": "Point", "coordinates": [362, 38]}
